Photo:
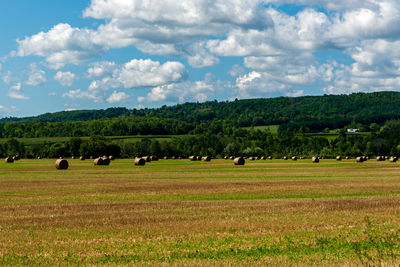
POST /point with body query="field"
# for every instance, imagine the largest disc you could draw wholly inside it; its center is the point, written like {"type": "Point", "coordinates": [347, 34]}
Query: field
{"type": "Point", "coordinates": [177, 212]}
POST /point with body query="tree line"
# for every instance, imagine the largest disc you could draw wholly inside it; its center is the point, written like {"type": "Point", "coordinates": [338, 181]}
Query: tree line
{"type": "Point", "coordinates": [241, 142]}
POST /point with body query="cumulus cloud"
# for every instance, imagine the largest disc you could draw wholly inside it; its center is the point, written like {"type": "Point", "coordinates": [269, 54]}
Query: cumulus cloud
{"type": "Point", "coordinates": [133, 74]}
{"type": "Point", "coordinates": [199, 57]}
{"type": "Point", "coordinates": [99, 69]}
{"type": "Point", "coordinates": [376, 67]}
{"type": "Point", "coordinates": [182, 92]}
{"type": "Point", "coordinates": [36, 75]}
{"type": "Point", "coordinates": [65, 78]}
{"type": "Point", "coordinates": [16, 92]}
{"type": "Point", "coordinates": [118, 97]}
{"type": "Point", "coordinates": [279, 50]}
{"type": "Point", "coordinates": [62, 45]}
{"type": "Point", "coordinates": [141, 73]}
{"type": "Point", "coordinates": [79, 94]}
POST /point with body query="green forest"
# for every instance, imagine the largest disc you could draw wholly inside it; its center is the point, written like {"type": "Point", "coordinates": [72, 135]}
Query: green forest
{"type": "Point", "coordinates": [218, 129]}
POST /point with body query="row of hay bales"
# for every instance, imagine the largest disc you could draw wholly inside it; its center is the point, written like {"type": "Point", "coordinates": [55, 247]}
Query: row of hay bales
{"type": "Point", "coordinates": [12, 159]}
{"type": "Point", "coordinates": [199, 158]}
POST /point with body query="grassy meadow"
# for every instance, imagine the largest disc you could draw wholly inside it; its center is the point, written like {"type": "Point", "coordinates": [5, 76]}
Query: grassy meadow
{"type": "Point", "coordinates": [177, 212]}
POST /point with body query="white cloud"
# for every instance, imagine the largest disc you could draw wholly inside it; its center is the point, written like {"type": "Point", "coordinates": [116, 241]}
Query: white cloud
{"type": "Point", "coordinates": [154, 27]}
{"type": "Point", "coordinates": [65, 78]}
{"type": "Point", "coordinates": [181, 92]}
{"type": "Point", "coordinates": [133, 74]}
{"type": "Point", "coordinates": [118, 97]}
{"type": "Point", "coordinates": [36, 75]}
{"type": "Point", "coordinates": [199, 57]}
{"type": "Point", "coordinates": [99, 69]}
{"type": "Point", "coordinates": [142, 73]}
{"type": "Point", "coordinates": [16, 92]}
{"type": "Point", "coordinates": [78, 94]}
{"type": "Point", "coordinates": [280, 50]}
{"type": "Point", "coordinates": [376, 68]}
{"type": "Point", "coordinates": [62, 45]}
{"type": "Point", "coordinates": [17, 87]}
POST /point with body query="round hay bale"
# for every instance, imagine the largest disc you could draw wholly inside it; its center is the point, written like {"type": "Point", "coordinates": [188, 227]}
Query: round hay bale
{"type": "Point", "coordinates": [39, 158]}
{"type": "Point", "coordinates": [140, 162]}
{"type": "Point", "coordinates": [365, 158]}
{"type": "Point", "coordinates": [360, 159]}
{"type": "Point", "coordinates": [91, 157]}
{"type": "Point", "coordinates": [62, 164]}
{"type": "Point", "coordinates": [112, 157]}
{"type": "Point", "coordinates": [82, 158]}
{"type": "Point", "coordinates": [393, 159]}
{"type": "Point", "coordinates": [231, 157]}
{"type": "Point", "coordinates": [154, 158]}
{"type": "Point", "coordinates": [285, 158]}
{"type": "Point", "coordinates": [239, 161]}
{"type": "Point", "coordinates": [347, 157]}
{"type": "Point", "coordinates": [106, 161]}
{"type": "Point", "coordinates": [147, 158]}
{"type": "Point", "coordinates": [315, 159]}
{"type": "Point", "coordinates": [338, 158]}
{"type": "Point", "coordinates": [206, 158]}
{"type": "Point", "coordinates": [15, 158]}
{"type": "Point", "coordinates": [193, 158]}
{"type": "Point", "coordinates": [252, 158]}
{"type": "Point", "coordinates": [9, 160]}
{"type": "Point", "coordinates": [387, 157]}
{"type": "Point", "coordinates": [262, 158]}
{"type": "Point", "coordinates": [294, 158]}
{"type": "Point", "coordinates": [73, 157]}
{"type": "Point", "coordinates": [269, 157]}
{"type": "Point", "coordinates": [98, 161]}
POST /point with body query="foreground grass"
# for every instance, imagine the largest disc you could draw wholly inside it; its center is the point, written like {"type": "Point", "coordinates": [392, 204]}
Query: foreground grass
{"type": "Point", "coordinates": [195, 213]}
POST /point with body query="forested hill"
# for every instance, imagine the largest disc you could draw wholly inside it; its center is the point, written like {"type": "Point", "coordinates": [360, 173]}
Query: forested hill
{"type": "Point", "coordinates": [311, 112]}
{"type": "Point", "coordinates": [74, 115]}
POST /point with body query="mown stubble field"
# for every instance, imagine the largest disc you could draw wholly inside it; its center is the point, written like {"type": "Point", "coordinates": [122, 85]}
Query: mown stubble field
{"type": "Point", "coordinates": [177, 212]}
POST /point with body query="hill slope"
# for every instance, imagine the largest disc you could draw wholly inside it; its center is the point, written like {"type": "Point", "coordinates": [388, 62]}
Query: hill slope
{"type": "Point", "coordinates": [310, 112]}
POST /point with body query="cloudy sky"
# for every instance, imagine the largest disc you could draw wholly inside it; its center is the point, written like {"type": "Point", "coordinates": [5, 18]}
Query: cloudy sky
{"type": "Point", "coordinates": [66, 55]}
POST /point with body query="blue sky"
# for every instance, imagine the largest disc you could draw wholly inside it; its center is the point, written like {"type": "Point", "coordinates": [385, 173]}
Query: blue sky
{"type": "Point", "coordinates": [66, 55]}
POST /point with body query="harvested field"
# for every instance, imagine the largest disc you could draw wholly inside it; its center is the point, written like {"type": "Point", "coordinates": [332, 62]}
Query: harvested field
{"type": "Point", "coordinates": [179, 212]}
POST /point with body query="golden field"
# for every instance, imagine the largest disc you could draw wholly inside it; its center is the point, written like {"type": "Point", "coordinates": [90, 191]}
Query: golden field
{"type": "Point", "coordinates": [177, 212]}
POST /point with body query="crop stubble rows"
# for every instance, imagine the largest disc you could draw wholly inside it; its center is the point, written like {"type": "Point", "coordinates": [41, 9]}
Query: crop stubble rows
{"type": "Point", "coordinates": [181, 212]}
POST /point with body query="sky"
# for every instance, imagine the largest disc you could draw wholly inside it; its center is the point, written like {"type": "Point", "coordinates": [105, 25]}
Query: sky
{"type": "Point", "coordinates": [95, 54]}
